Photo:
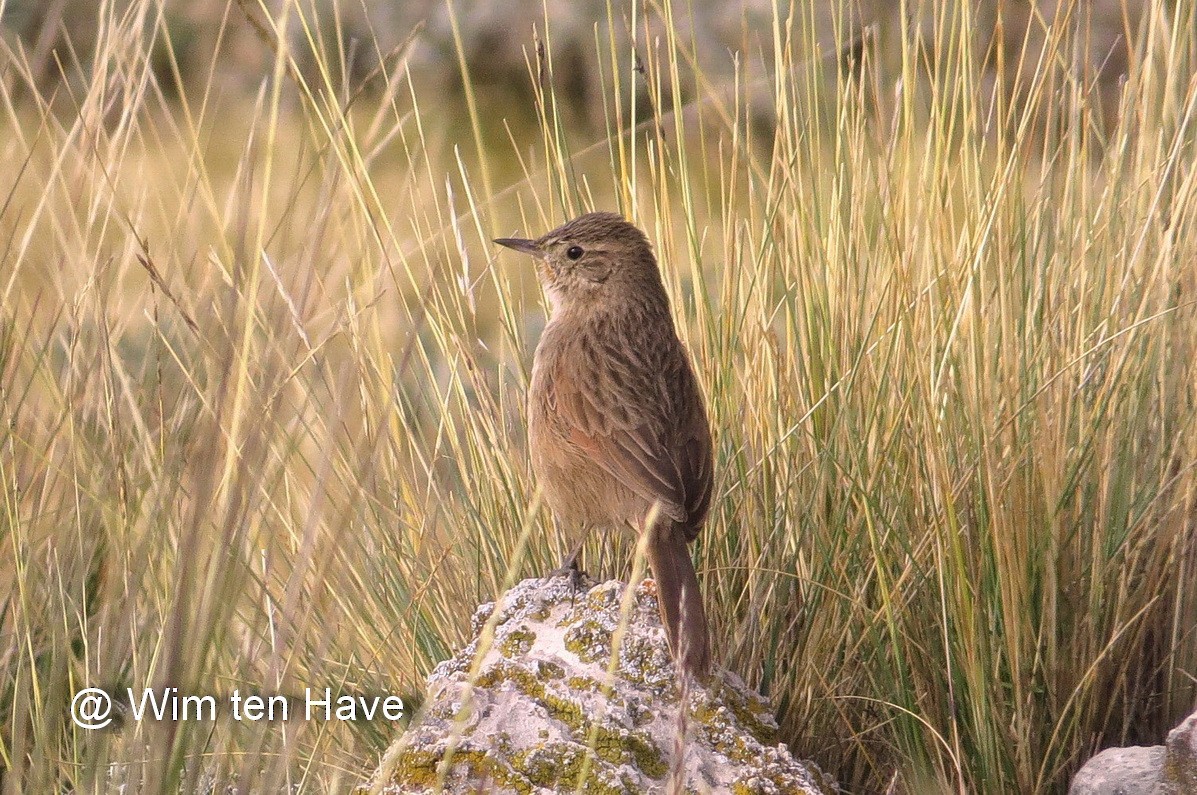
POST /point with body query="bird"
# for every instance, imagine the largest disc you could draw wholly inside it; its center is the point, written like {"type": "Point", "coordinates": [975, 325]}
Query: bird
{"type": "Point", "coordinates": [617, 425]}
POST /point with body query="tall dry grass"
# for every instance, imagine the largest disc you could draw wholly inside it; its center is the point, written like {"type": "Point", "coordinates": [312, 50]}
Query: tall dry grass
{"type": "Point", "coordinates": [262, 380]}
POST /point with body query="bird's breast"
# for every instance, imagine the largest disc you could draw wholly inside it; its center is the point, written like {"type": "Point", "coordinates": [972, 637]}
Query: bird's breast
{"type": "Point", "coordinates": [577, 489]}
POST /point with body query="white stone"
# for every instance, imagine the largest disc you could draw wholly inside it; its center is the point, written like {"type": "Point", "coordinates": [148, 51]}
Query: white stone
{"type": "Point", "coordinates": [539, 706]}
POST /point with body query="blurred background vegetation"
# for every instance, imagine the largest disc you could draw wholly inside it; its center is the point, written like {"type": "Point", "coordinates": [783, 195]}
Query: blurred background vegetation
{"type": "Point", "coordinates": [262, 374]}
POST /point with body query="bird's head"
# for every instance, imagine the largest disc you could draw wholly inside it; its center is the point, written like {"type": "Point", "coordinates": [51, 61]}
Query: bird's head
{"type": "Point", "coordinates": [593, 259]}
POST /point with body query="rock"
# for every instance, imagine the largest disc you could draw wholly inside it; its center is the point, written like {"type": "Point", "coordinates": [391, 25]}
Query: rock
{"type": "Point", "coordinates": [542, 697]}
{"type": "Point", "coordinates": [1121, 771]}
{"type": "Point", "coordinates": [1169, 769]}
{"type": "Point", "coordinates": [1180, 764]}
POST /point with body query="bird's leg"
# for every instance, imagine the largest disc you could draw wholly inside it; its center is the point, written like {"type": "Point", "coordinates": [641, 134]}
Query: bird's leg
{"type": "Point", "coordinates": [569, 566]}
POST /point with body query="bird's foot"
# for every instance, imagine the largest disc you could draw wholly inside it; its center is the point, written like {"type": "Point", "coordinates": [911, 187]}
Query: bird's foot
{"type": "Point", "coordinates": [570, 570]}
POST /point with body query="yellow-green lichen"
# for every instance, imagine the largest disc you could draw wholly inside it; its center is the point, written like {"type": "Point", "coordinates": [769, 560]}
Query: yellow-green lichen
{"type": "Point", "coordinates": [752, 714]}
{"type": "Point", "coordinates": [541, 612]}
{"type": "Point", "coordinates": [640, 714]}
{"type": "Point", "coordinates": [720, 735]}
{"type": "Point", "coordinates": [615, 746]}
{"type": "Point", "coordinates": [590, 641]}
{"type": "Point", "coordinates": [640, 665]}
{"type": "Point", "coordinates": [750, 787]}
{"type": "Point", "coordinates": [781, 781]}
{"type": "Point", "coordinates": [416, 768]}
{"type": "Point", "coordinates": [583, 683]}
{"type": "Point", "coordinates": [549, 766]}
{"type": "Point", "coordinates": [551, 669]}
{"type": "Point", "coordinates": [598, 598]}
{"type": "Point", "coordinates": [562, 709]}
{"type": "Point", "coordinates": [421, 768]}
{"type": "Point", "coordinates": [502, 743]}
{"type": "Point", "coordinates": [557, 766]}
{"type": "Point", "coordinates": [517, 643]}
{"type": "Point", "coordinates": [620, 747]}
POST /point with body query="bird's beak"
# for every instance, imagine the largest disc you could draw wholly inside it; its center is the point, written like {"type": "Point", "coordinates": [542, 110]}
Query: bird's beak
{"type": "Point", "coordinates": [522, 245]}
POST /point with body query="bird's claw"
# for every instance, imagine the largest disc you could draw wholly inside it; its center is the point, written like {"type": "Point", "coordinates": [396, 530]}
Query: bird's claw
{"type": "Point", "coordinates": [570, 570]}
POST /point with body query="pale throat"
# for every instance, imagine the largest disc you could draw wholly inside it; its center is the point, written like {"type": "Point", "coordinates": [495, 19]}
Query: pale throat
{"type": "Point", "coordinates": [557, 300]}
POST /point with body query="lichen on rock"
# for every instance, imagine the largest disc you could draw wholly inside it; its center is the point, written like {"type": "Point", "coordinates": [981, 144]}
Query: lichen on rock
{"type": "Point", "coordinates": [533, 709]}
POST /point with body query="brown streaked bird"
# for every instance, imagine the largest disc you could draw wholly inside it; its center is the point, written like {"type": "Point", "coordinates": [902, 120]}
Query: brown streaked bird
{"type": "Point", "coordinates": [616, 421]}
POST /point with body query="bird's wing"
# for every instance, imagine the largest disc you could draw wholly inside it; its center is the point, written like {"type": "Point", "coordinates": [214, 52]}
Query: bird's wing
{"type": "Point", "coordinates": [638, 412]}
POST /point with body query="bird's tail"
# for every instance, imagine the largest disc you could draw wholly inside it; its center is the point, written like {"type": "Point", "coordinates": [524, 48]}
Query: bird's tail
{"type": "Point", "coordinates": [680, 599]}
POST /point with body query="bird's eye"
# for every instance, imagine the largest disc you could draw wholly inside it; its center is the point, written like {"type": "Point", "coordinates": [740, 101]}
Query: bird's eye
{"type": "Point", "coordinates": [574, 252]}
